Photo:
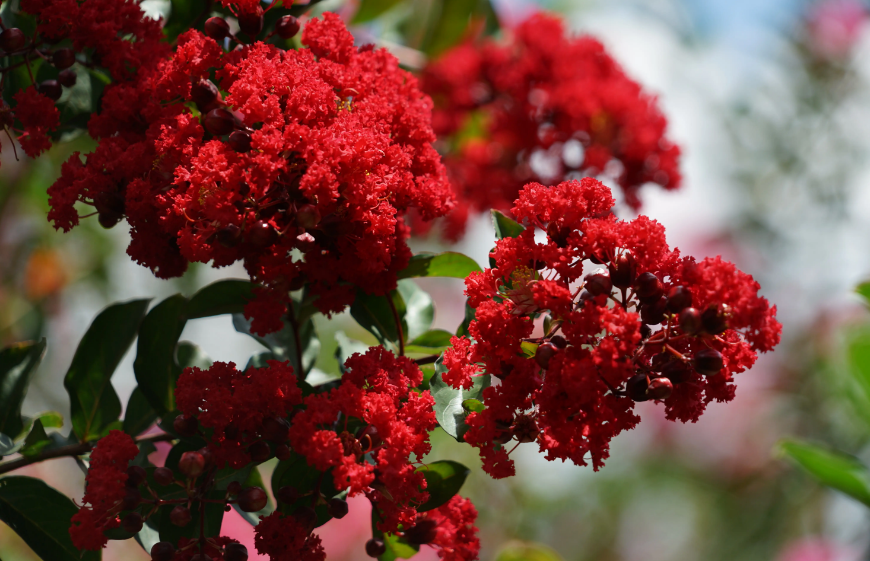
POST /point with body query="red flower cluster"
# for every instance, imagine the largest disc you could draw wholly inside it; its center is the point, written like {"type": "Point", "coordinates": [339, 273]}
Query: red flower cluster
{"type": "Point", "coordinates": [241, 408]}
{"type": "Point", "coordinates": [38, 116]}
{"type": "Point", "coordinates": [449, 529]}
{"type": "Point", "coordinates": [543, 107]}
{"type": "Point", "coordinates": [372, 414]}
{"type": "Point", "coordinates": [652, 325]}
{"type": "Point", "coordinates": [285, 538]}
{"type": "Point", "coordinates": [104, 490]}
{"type": "Point", "coordinates": [314, 153]}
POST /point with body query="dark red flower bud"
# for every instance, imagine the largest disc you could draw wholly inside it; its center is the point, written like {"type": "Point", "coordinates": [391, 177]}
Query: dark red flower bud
{"type": "Point", "coordinates": [690, 321]}
{"type": "Point", "coordinates": [164, 476]}
{"type": "Point", "coordinates": [584, 297]}
{"type": "Point", "coordinates": [201, 557]}
{"type": "Point", "coordinates": [191, 464]}
{"type": "Point", "coordinates": [599, 258]}
{"type": "Point", "coordinates": [108, 219]}
{"type": "Point", "coordinates": [262, 234]}
{"type": "Point", "coordinates": [67, 78]}
{"type": "Point", "coordinates": [287, 27]}
{"type": "Point", "coordinates": [558, 234]}
{"type": "Point", "coordinates": [375, 548]}
{"type": "Point", "coordinates": [645, 332]}
{"type": "Point", "coordinates": [708, 362]}
{"type": "Point", "coordinates": [713, 319]}
{"type": "Point", "coordinates": [50, 89]}
{"type": "Point", "coordinates": [658, 361]}
{"type": "Point", "coordinates": [12, 39]}
{"type": "Point", "coordinates": [598, 284]}
{"type": "Point", "coordinates": [337, 508]}
{"type": "Point", "coordinates": [185, 426]}
{"type": "Point", "coordinates": [287, 494]}
{"type": "Point", "coordinates": [559, 341]}
{"type": "Point", "coordinates": [636, 387]}
{"type": "Point", "coordinates": [676, 371]}
{"type": "Point", "coordinates": [229, 236]}
{"type": "Point", "coordinates": [63, 58]}
{"type": "Point", "coordinates": [162, 551]}
{"type": "Point", "coordinates": [217, 28]}
{"type": "Point", "coordinates": [235, 552]}
{"type": "Point", "coordinates": [422, 532]}
{"type": "Point", "coordinates": [679, 298]}
{"type": "Point", "coordinates": [240, 141]}
{"type": "Point", "coordinates": [252, 499]}
{"type": "Point", "coordinates": [234, 488]}
{"type": "Point", "coordinates": [219, 122]}
{"type": "Point", "coordinates": [131, 500]}
{"type": "Point", "coordinates": [251, 24]}
{"type": "Point", "coordinates": [132, 522]}
{"type": "Point", "coordinates": [648, 287]}
{"type": "Point", "coordinates": [275, 429]}
{"type": "Point", "coordinates": [369, 437]}
{"type": "Point", "coordinates": [659, 388]}
{"type": "Point", "coordinates": [180, 516]}
{"type": "Point", "coordinates": [203, 92]}
{"type": "Point", "coordinates": [308, 216]}
{"type": "Point", "coordinates": [136, 476]}
{"type": "Point", "coordinates": [260, 452]}
{"type": "Point", "coordinates": [623, 270]}
{"type": "Point", "coordinates": [283, 452]}
{"type": "Point", "coordinates": [545, 352]}
{"type": "Point", "coordinates": [654, 314]}
{"type": "Point", "coordinates": [525, 428]}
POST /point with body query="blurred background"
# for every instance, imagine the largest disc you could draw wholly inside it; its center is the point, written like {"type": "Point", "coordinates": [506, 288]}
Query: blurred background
{"type": "Point", "coordinates": [770, 103]}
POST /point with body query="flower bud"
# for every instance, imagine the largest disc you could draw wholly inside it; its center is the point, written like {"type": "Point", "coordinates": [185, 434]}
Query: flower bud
{"type": "Point", "coordinates": [636, 387]}
{"type": "Point", "coordinates": [132, 522]}
{"type": "Point", "coordinates": [262, 234]}
{"type": "Point", "coordinates": [217, 28]}
{"type": "Point", "coordinates": [648, 287]}
{"type": "Point", "coordinates": [275, 429]}
{"type": "Point", "coordinates": [207, 455]}
{"type": "Point", "coordinates": [131, 500]}
{"type": "Point", "coordinates": [337, 508]}
{"type": "Point", "coordinates": [50, 89]}
{"type": "Point", "coordinates": [136, 476]}
{"type": "Point", "coordinates": [180, 516]}
{"type": "Point", "coordinates": [251, 24]}
{"type": "Point", "coordinates": [676, 371]}
{"type": "Point", "coordinates": [623, 270]}
{"type": "Point", "coordinates": [12, 39]}
{"type": "Point", "coordinates": [708, 362]}
{"type": "Point", "coordinates": [234, 488]}
{"type": "Point", "coordinates": [205, 94]}
{"type": "Point", "coordinates": [645, 332]}
{"type": "Point", "coordinates": [679, 298]}
{"type": "Point", "coordinates": [308, 216]}
{"type": "Point", "coordinates": [369, 438]}
{"type": "Point", "coordinates": [67, 78]}
{"type": "Point", "coordinates": [558, 234]}
{"type": "Point", "coordinates": [229, 236]}
{"type": "Point", "coordinates": [191, 464]}
{"type": "Point", "coordinates": [185, 426]}
{"type": "Point", "coordinates": [288, 494]}
{"type": "Point", "coordinates": [240, 141]}
{"type": "Point", "coordinates": [422, 532]}
{"type": "Point", "coordinates": [219, 122]}
{"type": "Point", "coordinates": [659, 388]}
{"type": "Point", "coordinates": [63, 58]}
{"type": "Point", "coordinates": [164, 476]}
{"type": "Point", "coordinates": [201, 557]}
{"type": "Point", "coordinates": [252, 499]}
{"type": "Point", "coordinates": [162, 551]}
{"type": "Point", "coordinates": [654, 314]}
{"type": "Point", "coordinates": [287, 27]}
{"type": "Point", "coordinates": [713, 319]}
{"type": "Point", "coordinates": [235, 552]}
{"type": "Point", "coordinates": [525, 429]}
{"type": "Point", "coordinates": [545, 352]}
{"type": "Point", "coordinates": [375, 548]}
{"type": "Point", "coordinates": [283, 452]}
{"type": "Point", "coordinates": [690, 321]}
{"type": "Point", "coordinates": [559, 341]}
{"type": "Point", "coordinates": [598, 284]}
{"type": "Point", "coordinates": [599, 258]}
{"type": "Point", "coordinates": [260, 452]}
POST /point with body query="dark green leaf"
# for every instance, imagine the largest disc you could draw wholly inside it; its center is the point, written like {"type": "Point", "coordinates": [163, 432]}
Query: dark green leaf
{"type": "Point", "coordinates": [155, 366]}
{"type": "Point", "coordinates": [36, 440]}
{"type": "Point", "coordinates": [182, 16]}
{"type": "Point", "coordinates": [222, 297]}
{"type": "Point", "coordinates": [505, 227]}
{"type": "Point", "coordinates": [419, 309]}
{"type": "Point", "coordinates": [473, 406]}
{"type": "Point", "coordinates": [450, 26]}
{"type": "Point", "coordinates": [370, 9]}
{"type": "Point", "coordinates": [188, 354]}
{"type": "Point", "coordinates": [434, 341]}
{"type": "Point", "coordinates": [41, 516]}
{"type": "Point", "coordinates": [448, 264]}
{"type": "Point", "coordinates": [255, 480]}
{"type": "Point", "coordinates": [283, 344]}
{"type": "Point", "coordinates": [375, 315]}
{"type": "Point", "coordinates": [443, 480]}
{"type": "Point", "coordinates": [17, 364]}
{"type": "Point", "coordinates": [462, 330]}
{"type": "Point", "coordinates": [397, 547]}
{"type": "Point", "coordinates": [448, 400]}
{"type": "Point", "coordinates": [139, 414]}
{"type": "Point", "coordinates": [94, 403]}
{"type": "Point", "coordinates": [834, 469]}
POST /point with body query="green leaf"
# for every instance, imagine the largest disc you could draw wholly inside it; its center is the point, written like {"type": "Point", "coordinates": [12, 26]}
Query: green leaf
{"type": "Point", "coordinates": [397, 547]}
{"type": "Point", "coordinates": [139, 414]}
{"type": "Point", "coordinates": [419, 309]}
{"type": "Point", "coordinates": [864, 291]}
{"type": "Point", "coordinates": [17, 364]}
{"type": "Point", "coordinates": [183, 14]}
{"type": "Point", "coordinates": [448, 400]}
{"type": "Point", "coordinates": [443, 480]}
{"type": "Point", "coordinates": [36, 440]}
{"type": "Point", "coordinates": [447, 264]}
{"type": "Point", "coordinates": [462, 330]}
{"type": "Point", "coordinates": [450, 26]}
{"type": "Point", "coordinates": [527, 551]}
{"type": "Point", "coordinates": [94, 403]}
{"type": "Point", "coordinates": [473, 405]}
{"type": "Point", "coordinates": [51, 419]}
{"type": "Point", "coordinates": [41, 516]}
{"type": "Point", "coordinates": [296, 472]}
{"type": "Point", "coordinates": [434, 341]}
{"type": "Point", "coordinates": [505, 227]}
{"type": "Point", "coordinates": [370, 9]}
{"type": "Point", "coordinates": [833, 469]}
{"type": "Point", "coordinates": [282, 344]}
{"type": "Point", "coordinates": [255, 480]}
{"type": "Point", "coordinates": [374, 314]}
{"type": "Point", "coordinates": [222, 297]}
{"type": "Point", "coordinates": [155, 366]}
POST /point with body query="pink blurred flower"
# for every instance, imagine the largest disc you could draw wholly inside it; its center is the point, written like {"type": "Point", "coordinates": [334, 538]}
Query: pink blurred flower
{"type": "Point", "coordinates": [835, 26]}
{"type": "Point", "coordinates": [817, 549]}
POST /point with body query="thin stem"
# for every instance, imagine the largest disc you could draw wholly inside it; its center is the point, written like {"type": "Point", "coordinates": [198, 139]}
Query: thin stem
{"type": "Point", "coordinates": [70, 450]}
{"type": "Point", "coordinates": [426, 359]}
{"type": "Point", "coordinates": [398, 326]}
{"type": "Point", "coordinates": [296, 341]}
